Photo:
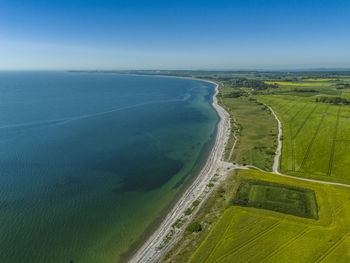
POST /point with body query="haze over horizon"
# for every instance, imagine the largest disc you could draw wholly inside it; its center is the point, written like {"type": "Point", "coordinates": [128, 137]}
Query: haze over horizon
{"type": "Point", "coordinates": [181, 34]}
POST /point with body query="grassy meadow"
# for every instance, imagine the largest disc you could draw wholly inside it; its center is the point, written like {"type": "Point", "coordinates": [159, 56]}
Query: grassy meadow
{"type": "Point", "coordinates": [316, 137]}
{"type": "Point", "coordinates": [249, 234]}
{"type": "Point", "coordinates": [255, 130]}
{"type": "Point", "coordinates": [257, 216]}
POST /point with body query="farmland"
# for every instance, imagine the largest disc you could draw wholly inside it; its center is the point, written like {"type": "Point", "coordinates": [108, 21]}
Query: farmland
{"type": "Point", "coordinates": [249, 234]}
{"type": "Point", "coordinates": [257, 216]}
{"type": "Point", "coordinates": [316, 137]}
{"type": "Point", "coordinates": [276, 197]}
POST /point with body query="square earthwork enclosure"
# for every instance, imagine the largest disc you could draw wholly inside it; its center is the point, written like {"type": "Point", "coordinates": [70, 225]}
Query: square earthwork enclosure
{"type": "Point", "coordinates": [277, 197]}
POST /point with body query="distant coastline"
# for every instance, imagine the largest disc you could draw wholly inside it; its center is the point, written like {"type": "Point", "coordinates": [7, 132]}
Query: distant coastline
{"type": "Point", "coordinates": [155, 247]}
{"type": "Point", "coordinates": [148, 244]}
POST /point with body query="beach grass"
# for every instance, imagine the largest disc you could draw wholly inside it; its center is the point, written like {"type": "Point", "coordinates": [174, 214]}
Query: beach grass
{"type": "Point", "coordinates": [255, 129]}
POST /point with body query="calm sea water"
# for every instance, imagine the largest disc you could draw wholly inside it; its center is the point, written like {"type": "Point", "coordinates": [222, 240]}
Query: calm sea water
{"type": "Point", "coordinates": [89, 161]}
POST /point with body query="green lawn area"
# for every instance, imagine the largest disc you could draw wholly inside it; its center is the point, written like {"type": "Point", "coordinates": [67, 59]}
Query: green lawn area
{"type": "Point", "coordinates": [276, 197]}
{"type": "Point", "coordinates": [249, 234]}
{"type": "Point", "coordinates": [256, 129]}
{"type": "Point", "coordinates": [316, 137]}
{"type": "Point", "coordinates": [258, 216]}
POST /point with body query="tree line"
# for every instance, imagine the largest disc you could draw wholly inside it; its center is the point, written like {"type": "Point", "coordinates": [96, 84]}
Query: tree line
{"type": "Point", "coordinates": [333, 100]}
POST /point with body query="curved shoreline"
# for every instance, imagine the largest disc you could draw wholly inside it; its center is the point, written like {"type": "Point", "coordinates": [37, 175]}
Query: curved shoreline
{"type": "Point", "coordinates": [157, 245]}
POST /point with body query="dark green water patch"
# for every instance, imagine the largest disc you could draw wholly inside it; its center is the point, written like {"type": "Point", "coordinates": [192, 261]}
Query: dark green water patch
{"type": "Point", "coordinates": [143, 168]}
{"type": "Point", "coordinates": [85, 156]}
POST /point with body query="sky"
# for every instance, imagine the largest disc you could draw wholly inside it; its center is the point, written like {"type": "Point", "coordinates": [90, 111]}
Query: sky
{"type": "Point", "coordinates": [174, 34]}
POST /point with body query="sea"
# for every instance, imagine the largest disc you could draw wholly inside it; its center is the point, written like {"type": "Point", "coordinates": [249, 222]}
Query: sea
{"type": "Point", "coordinates": [90, 162]}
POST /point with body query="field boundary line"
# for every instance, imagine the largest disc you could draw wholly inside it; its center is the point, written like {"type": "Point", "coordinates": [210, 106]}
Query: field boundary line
{"type": "Point", "coordinates": [299, 110]}
{"type": "Point", "coordinates": [258, 220]}
{"type": "Point", "coordinates": [299, 177]}
{"type": "Point", "coordinates": [313, 180]}
{"type": "Point", "coordinates": [332, 248]}
{"type": "Point", "coordinates": [292, 138]}
{"type": "Point", "coordinates": [292, 146]}
{"type": "Point", "coordinates": [291, 106]}
{"type": "Point", "coordinates": [338, 210]}
{"type": "Point", "coordinates": [218, 243]}
{"type": "Point", "coordinates": [250, 240]}
{"type": "Point", "coordinates": [284, 106]}
{"type": "Point", "coordinates": [303, 124]}
{"type": "Point", "coordinates": [330, 165]}
{"type": "Point", "coordinates": [285, 244]}
{"type": "Point", "coordinates": [306, 156]}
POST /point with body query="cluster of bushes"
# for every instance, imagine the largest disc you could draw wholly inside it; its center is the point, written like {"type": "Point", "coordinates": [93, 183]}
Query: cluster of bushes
{"type": "Point", "coordinates": [277, 197]}
{"type": "Point", "coordinates": [333, 100]}
{"type": "Point", "coordinates": [305, 90]}
{"type": "Point", "coordinates": [251, 83]}
{"type": "Point", "coordinates": [194, 227]}
{"type": "Point", "coordinates": [235, 94]}
{"type": "Point", "coordinates": [342, 86]}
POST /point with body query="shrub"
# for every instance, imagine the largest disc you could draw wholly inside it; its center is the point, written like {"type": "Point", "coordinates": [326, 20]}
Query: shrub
{"type": "Point", "coordinates": [188, 211]}
{"type": "Point", "coordinates": [177, 224]}
{"type": "Point", "coordinates": [194, 227]}
{"type": "Point", "coordinates": [195, 203]}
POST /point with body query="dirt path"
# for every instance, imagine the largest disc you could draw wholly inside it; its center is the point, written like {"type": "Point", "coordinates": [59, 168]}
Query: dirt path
{"type": "Point", "coordinates": [275, 167]}
{"type": "Point", "coordinates": [236, 139]}
{"type": "Point", "coordinates": [158, 244]}
{"type": "Point", "coordinates": [276, 161]}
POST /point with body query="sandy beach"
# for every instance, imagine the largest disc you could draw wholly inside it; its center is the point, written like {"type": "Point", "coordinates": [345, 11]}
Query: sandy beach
{"type": "Point", "coordinates": [158, 244]}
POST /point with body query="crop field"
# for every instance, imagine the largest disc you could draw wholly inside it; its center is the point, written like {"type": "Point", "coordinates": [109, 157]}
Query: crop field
{"type": "Point", "coordinates": [277, 197]}
{"type": "Point", "coordinates": [316, 137]}
{"type": "Point", "coordinates": [257, 216]}
{"type": "Point", "coordinates": [249, 234]}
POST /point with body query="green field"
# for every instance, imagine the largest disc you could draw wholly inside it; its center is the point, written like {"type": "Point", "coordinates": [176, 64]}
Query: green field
{"type": "Point", "coordinates": [248, 234]}
{"type": "Point", "coordinates": [316, 137]}
{"type": "Point", "coordinates": [256, 130]}
{"type": "Point", "coordinates": [255, 216]}
{"type": "Point", "coordinates": [276, 197]}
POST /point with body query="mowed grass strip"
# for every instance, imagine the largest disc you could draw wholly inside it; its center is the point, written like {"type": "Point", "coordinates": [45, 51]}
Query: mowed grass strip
{"type": "Point", "coordinates": [279, 237]}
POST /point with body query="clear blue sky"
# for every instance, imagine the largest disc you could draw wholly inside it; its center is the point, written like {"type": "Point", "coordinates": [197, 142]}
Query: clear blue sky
{"type": "Point", "coordinates": [169, 34]}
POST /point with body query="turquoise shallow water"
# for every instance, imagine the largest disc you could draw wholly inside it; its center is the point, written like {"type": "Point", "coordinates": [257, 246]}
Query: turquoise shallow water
{"type": "Point", "coordinates": [89, 161]}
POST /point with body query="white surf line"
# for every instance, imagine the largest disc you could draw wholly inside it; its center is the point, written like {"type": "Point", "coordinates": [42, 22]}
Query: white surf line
{"type": "Point", "coordinates": [158, 245]}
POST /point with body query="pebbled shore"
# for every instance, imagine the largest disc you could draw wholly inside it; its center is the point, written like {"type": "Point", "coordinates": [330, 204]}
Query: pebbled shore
{"type": "Point", "coordinates": [158, 244]}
